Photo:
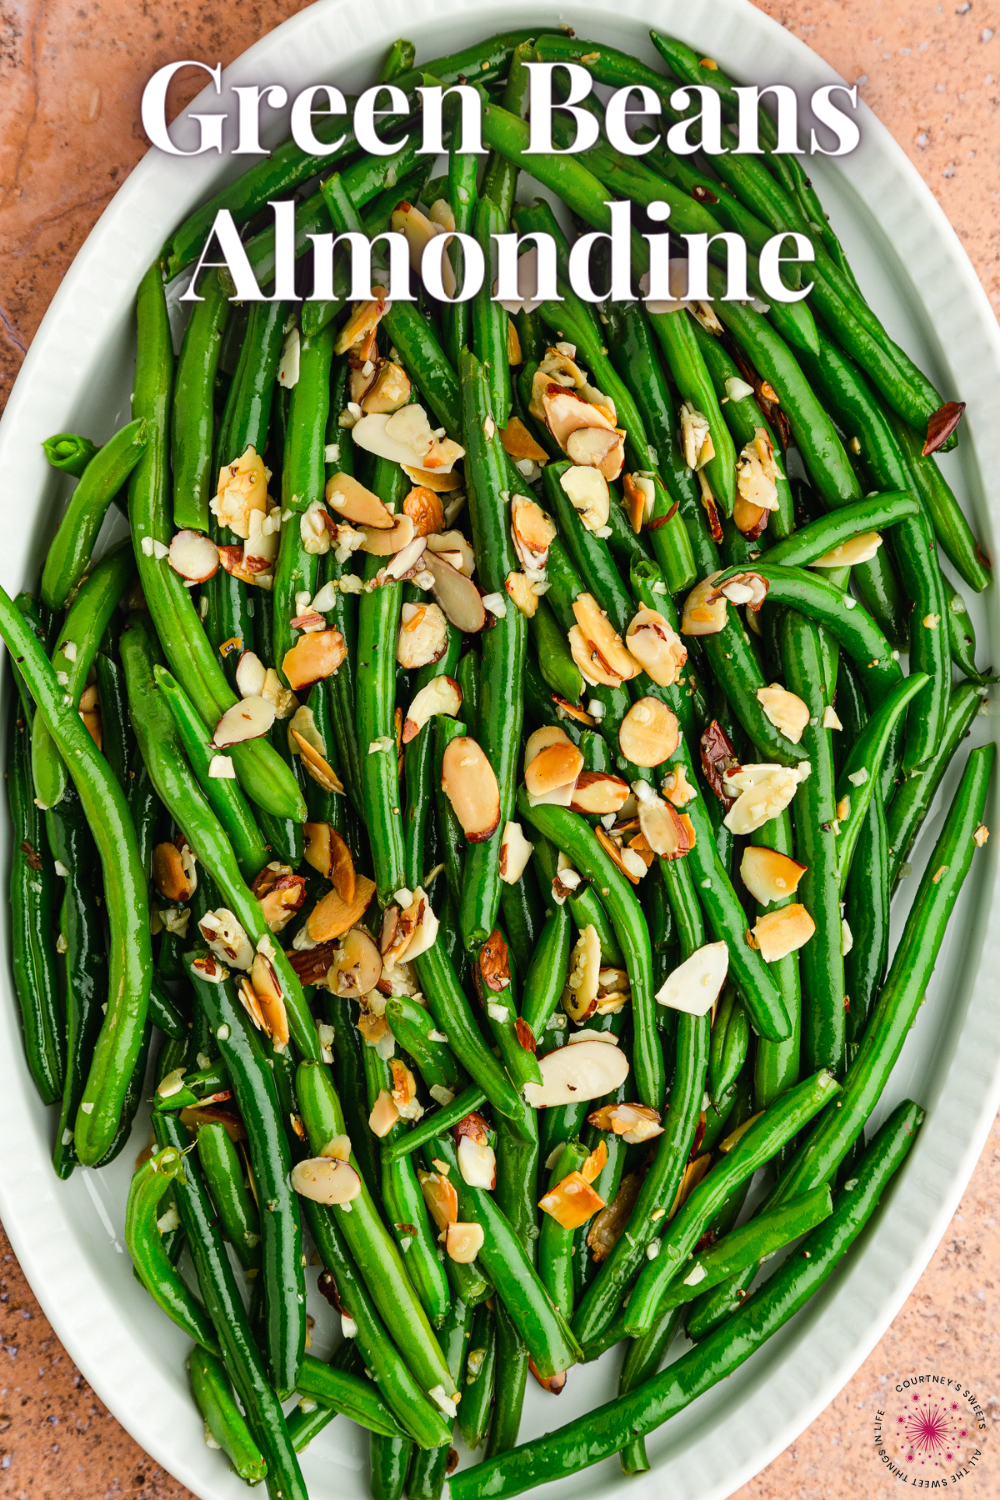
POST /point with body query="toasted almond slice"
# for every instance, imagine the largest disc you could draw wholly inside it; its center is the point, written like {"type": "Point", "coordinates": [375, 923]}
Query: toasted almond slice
{"type": "Point", "coordinates": [442, 695]}
{"type": "Point", "coordinates": [424, 509]}
{"type": "Point", "coordinates": [324, 850]}
{"type": "Point", "coordinates": [677, 789]}
{"type": "Point", "coordinates": [768, 875]}
{"type": "Point", "coordinates": [225, 936]}
{"type": "Point", "coordinates": [602, 637]}
{"type": "Point", "coordinates": [572, 1075]}
{"type": "Point", "coordinates": [406, 562]}
{"type": "Point", "coordinates": [595, 1163]}
{"type": "Point", "coordinates": [242, 489]}
{"type": "Point", "coordinates": [326, 1179]}
{"type": "Point", "coordinates": [456, 594]}
{"type": "Point", "coordinates": [423, 636]}
{"type": "Point", "coordinates": [630, 865]}
{"type": "Point", "coordinates": [779, 933]}
{"type": "Point", "coordinates": [373, 1027]}
{"type": "Point", "coordinates": [441, 1197]}
{"type": "Point", "coordinates": [455, 549]}
{"type": "Point", "coordinates": [556, 766]}
{"type": "Point", "coordinates": [425, 925]}
{"type": "Point", "coordinates": [313, 657]}
{"type": "Point", "coordinates": [463, 1242]}
{"type": "Point", "coordinates": [598, 792]}
{"type": "Point", "coordinates": [332, 916]}
{"type": "Point", "coordinates": [541, 739]}
{"type": "Point", "coordinates": [477, 1163]}
{"type": "Point", "coordinates": [532, 531]}
{"type": "Point", "coordinates": [418, 231]}
{"type": "Point", "coordinates": [246, 720]}
{"type": "Point", "coordinates": [648, 734]}
{"type": "Point", "coordinates": [704, 609]}
{"type": "Point", "coordinates": [656, 646]}
{"type": "Point", "coordinates": [363, 321]}
{"type": "Point", "coordinates": [764, 791]}
{"type": "Point", "coordinates": [636, 501]}
{"type": "Point", "coordinates": [389, 390]}
{"type": "Point", "coordinates": [519, 444]}
{"type": "Point", "coordinates": [745, 588]}
{"type": "Point", "coordinates": [592, 666]}
{"type": "Point", "coordinates": [567, 412]}
{"type": "Point", "coordinates": [515, 851]}
{"type": "Point", "coordinates": [405, 437]}
{"type": "Point", "coordinates": [266, 987]}
{"type": "Point", "coordinates": [404, 1090]}
{"type": "Point", "coordinates": [380, 543]}
{"type": "Point", "coordinates": [357, 966]}
{"type": "Point", "coordinates": [175, 877]}
{"type": "Point", "coordinates": [194, 556]}
{"type": "Point", "coordinates": [603, 451]}
{"type": "Point", "coordinates": [519, 588]}
{"type": "Point", "coordinates": [696, 984]}
{"type": "Point", "coordinates": [751, 520]}
{"type": "Point", "coordinates": [588, 494]}
{"type": "Point", "coordinates": [786, 711]}
{"type": "Point", "coordinates": [662, 828]}
{"type": "Point", "coordinates": [693, 1174]}
{"type": "Point", "coordinates": [351, 501]}
{"type": "Point", "coordinates": [858, 549]}
{"type": "Point", "coordinates": [571, 1202]}
{"type": "Point", "coordinates": [635, 1123]}
{"type": "Point", "coordinates": [469, 783]}
{"type": "Point", "coordinates": [755, 473]}
{"type": "Point", "coordinates": [250, 675]}
{"type": "Point", "coordinates": [439, 484]}
{"type": "Point", "coordinates": [582, 980]}
{"type": "Point", "coordinates": [317, 767]}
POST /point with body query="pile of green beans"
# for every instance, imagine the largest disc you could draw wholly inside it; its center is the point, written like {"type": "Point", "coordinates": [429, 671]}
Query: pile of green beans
{"type": "Point", "coordinates": [496, 912]}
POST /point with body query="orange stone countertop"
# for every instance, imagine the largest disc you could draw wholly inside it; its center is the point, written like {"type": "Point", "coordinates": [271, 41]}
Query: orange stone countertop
{"type": "Point", "coordinates": [71, 77]}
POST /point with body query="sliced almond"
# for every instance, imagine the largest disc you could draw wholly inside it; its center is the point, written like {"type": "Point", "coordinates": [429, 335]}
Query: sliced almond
{"type": "Point", "coordinates": [519, 588]}
{"type": "Point", "coordinates": [602, 637]}
{"type": "Point", "coordinates": [425, 925]}
{"type": "Point", "coordinates": [593, 668]}
{"type": "Point", "coordinates": [532, 531]}
{"type": "Point", "coordinates": [246, 720]}
{"type": "Point", "coordinates": [477, 1163]}
{"type": "Point", "coordinates": [704, 609]}
{"type": "Point", "coordinates": [332, 916]}
{"type": "Point", "coordinates": [474, 1126]}
{"type": "Point", "coordinates": [541, 739]}
{"type": "Point", "coordinates": [749, 519]}
{"type": "Point", "coordinates": [515, 852]}
{"type": "Point", "coordinates": [695, 985]}
{"type": "Point", "coordinates": [571, 1202]}
{"type": "Point", "coordinates": [635, 1123]}
{"type": "Point", "coordinates": [745, 588]}
{"type": "Point", "coordinates": [226, 937]}
{"type": "Point", "coordinates": [404, 1090]}
{"type": "Point", "coordinates": [423, 636]}
{"type": "Point", "coordinates": [493, 968]}
{"type": "Point", "coordinates": [441, 1198]}
{"type": "Point", "coordinates": [356, 967]}
{"type": "Point", "coordinates": [456, 594]}
{"type": "Point", "coordinates": [418, 231]}
{"type": "Point", "coordinates": [242, 489]}
{"type": "Point", "coordinates": [583, 978]}
{"type": "Point", "coordinates": [267, 988]}
{"type": "Point", "coordinates": [786, 711]}
{"type": "Point", "coordinates": [448, 543]}
{"type": "Point", "coordinates": [389, 390]}
{"type": "Point", "coordinates": [598, 792]}
{"type": "Point", "coordinates": [469, 783]}
{"type": "Point", "coordinates": [639, 499]}
{"type": "Point", "coordinates": [175, 875]}
{"type": "Point", "coordinates": [250, 675]}
{"type": "Point", "coordinates": [519, 444]}
{"type": "Point", "coordinates": [648, 734]}
{"type": "Point", "coordinates": [567, 412]}
{"type": "Point", "coordinates": [442, 695]}
{"type": "Point", "coordinates": [677, 789]}
{"type": "Point", "coordinates": [857, 549]}
{"type": "Point", "coordinates": [756, 474]}
{"type": "Point", "coordinates": [696, 437]}
{"type": "Point", "coordinates": [693, 1174]}
{"type": "Point", "coordinates": [595, 1163]}
{"type": "Point", "coordinates": [603, 451]}
{"type": "Point", "coordinates": [572, 1075]}
{"type": "Point", "coordinates": [439, 484]}
{"type": "Point", "coordinates": [326, 1179]}
{"type": "Point", "coordinates": [463, 1242]}
{"type": "Point", "coordinates": [589, 495]}
{"type": "Point", "coordinates": [382, 543]}
{"type": "Point", "coordinates": [312, 658]}
{"type": "Point", "coordinates": [194, 556]}
{"type": "Point", "coordinates": [363, 321]}
{"type": "Point", "coordinates": [556, 766]}
{"type": "Point", "coordinates": [779, 933]}
{"type": "Point", "coordinates": [425, 510]}
{"type": "Point", "coordinates": [768, 875]}
{"type": "Point", "coordinates": [317, 767]}
{"type": "Point", "coordinates": [281, 894]}
{"type": "Point", "coordinates": [351, 501]}
{"type": "Point", "coordinates": [405, 437]}
{"type": "Point", "coordinates": [656, 646]}
{"type": "Point", "coordinates": [664, 828]}
{"type": "Point", "coordinates": [764, 791]}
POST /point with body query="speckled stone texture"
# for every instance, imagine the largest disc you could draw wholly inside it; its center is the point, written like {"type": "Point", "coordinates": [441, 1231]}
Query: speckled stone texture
{"type": "Point", "coordinates": [71, 77]}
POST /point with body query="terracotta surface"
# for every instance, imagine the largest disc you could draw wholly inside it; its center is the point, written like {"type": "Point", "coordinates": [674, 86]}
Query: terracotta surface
{"type": "Point", "coordinates": [71, 75]}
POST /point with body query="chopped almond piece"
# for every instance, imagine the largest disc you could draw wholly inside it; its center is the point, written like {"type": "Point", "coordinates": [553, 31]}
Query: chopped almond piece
{"type": "Point", "coordinates": [463, 1242]}
{"type": "Point", "coordinates": [558, 765]}
{"type": "Point", "coordinates": [779, 933]}
{"type": "Point", "coordinates": [598, 792]}
{"type": "Point", "coordinates": [441, 1198]}
{"type": "Point", "coordinates": [332, 916]}
{"type": "Point", "coordinates": [648, 734]}
{"type": "Point", "coordinates": [571, 1202]}
{"type": "Point", "coordinates": [704, 609]}
{"type": "Point", "coordinates": [174, 875]}
{"type": "Point", "coordinates": [768, 875]}
{"type": "Point", "coordinates": [518, 586]}
{"type": "Point", "coordinates": [786, 711]}
{"type": "Point", "coordinates": [319, 769]}
{"type": "Point", "coordinates": [656, 646]}
{"type": "Point", "coordinates": [635, 1123]}
{"type": "Point", "coordinates": [312, 658]}
{"type": "Point", "coordinates": [519, 444]}
{"type": "Point", "coordinates": [595, 1163]}
{"type": "Point", "coordinates": [469, 782]}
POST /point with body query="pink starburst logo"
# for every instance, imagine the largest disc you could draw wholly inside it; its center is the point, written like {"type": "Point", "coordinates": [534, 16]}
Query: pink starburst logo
{"type": "Point", "coordinates": [930, 1431]}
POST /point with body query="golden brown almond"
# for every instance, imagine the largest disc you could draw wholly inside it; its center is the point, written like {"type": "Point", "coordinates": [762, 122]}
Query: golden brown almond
{"type": "Point", "coordinates": [656, 646]}
{"type": "Point", "coordinates": [470, 784]}
{"type": "Point", "coordinates": [423, 636]}
{"type": "Point", "coordinates": [598, 792]}
{"type": "Point", "coordinates": [704, 609]}
{"type": "Point", "coordinates": [786, 711]}
{"type": "Point", "coordinates": [388, 391]}
{"type": "Point", "coordinates": [174, 875]}
{"type": "Point", "coordinates": [425, 510]}
{"type": "Point", "coordinates": [519, 444]}
{"type": "Point", "coordinates": [571, 1202]}
{"type": "Point", "coordinates": [441, 1197]}
{"type": "Point", "coordinates": [319, 769]}
{"type": "Point", "coordinates": [463, 1242]}
{"type": "Point", "coordinates": [332, 916]}
{"type": "Point", "coordinates": [356, 967]}
{"type": "Point", "coordinates": [768, 875]}
{"type": "Point", "coordinates": [603, 639]}
{"type": "Point", "coordinates": [778, 933]}
{"type": "Point", "coordinates": [312, 658]}
{"type": "Point", "coordinates": [557, 765]}
{"type": "Point", "coordinates": [519, 588]}
{"type": "Point", "coordinates": [648, 734]}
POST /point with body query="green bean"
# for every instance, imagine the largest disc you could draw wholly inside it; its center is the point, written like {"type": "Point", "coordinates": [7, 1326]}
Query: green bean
{"type": "Point", "coordinates": [222, 794]}
{"type": "Point", "coordinates": [523, 918]}
{"type": "Point", "coordinates": [390, 1462]}
{"type": "Point", "coordinates": [831, 531]}
{"type": "Point", "coordinates": [509, 1383]}
{"type": "Point", "coordinates": [225, 1307]}
{"type": "Point", "coordinates": [430, 1466]}
{"type": "Point", "coordinates": [866, 913]}
{"type": "Point", "coordinates": [69, 555]}
{"type": "Point", "coordinates": [233, 1200]}
{"type": "Point", "coordinates": [74, 655]}
{"type": "Point", "coordinates": [436, 1123]}
{"type": "Point", "coordinates": [153, 1266]}
{"type": "Point", "coordinates": [253, 1086]}
{"type": "Point", "coordinates": [480, 1373]}
{"type": "Point", "coordinates": [223, 1419]}
{"type": "Point", "coordinates": [413, 1027]}
{"type": "Point", "coordinates": [604, 1431]}
{"type": "Point", "coordinates": [571, 833]}
{"type": "Point", "coordinates": [546, 977]}
{"type": "Point", "coordinates": [951, 527]}
{"type": "Point", "coordinates": [540, 1326]}
{"type": "Point", "coordinates": [729, 1045]}
{"type": "Point", "coordinates": [348, 1077]}
{"type": "Point", "coordinates": [910, 803]}
{"type": "Point", "coordinates": [451, 839]}
{"type": "Point", "coordinates": [350, 1394]}
{"type": "Point", "coordinates": [192, 416]}
{"type": "Point", "coordinates": [371, 1244]}
{"type": "Point", "coordinates": [70, 452]}
{"type": "Point", "coordinates": [555, 661]}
